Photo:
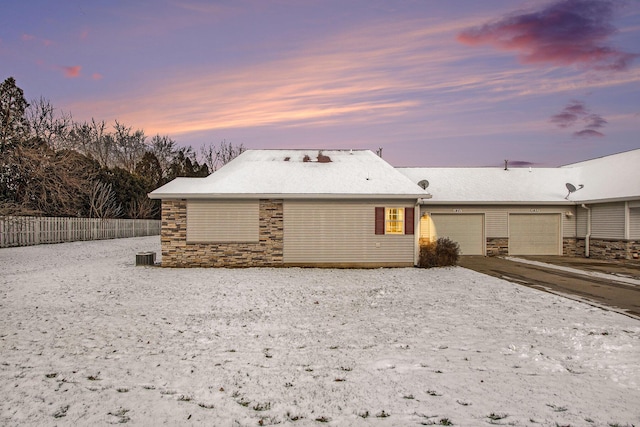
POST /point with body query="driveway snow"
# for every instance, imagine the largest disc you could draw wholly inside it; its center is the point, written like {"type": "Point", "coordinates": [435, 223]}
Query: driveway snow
{"type": "Point", "coordinates": [89, 338]}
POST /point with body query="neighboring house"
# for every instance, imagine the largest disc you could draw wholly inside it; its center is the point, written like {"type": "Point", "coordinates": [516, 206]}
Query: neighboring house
{"type": "Point", "coordinates": [350, 208]}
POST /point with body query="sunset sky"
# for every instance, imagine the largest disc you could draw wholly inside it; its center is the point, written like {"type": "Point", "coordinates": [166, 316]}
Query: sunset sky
{"type": "Point", "coordinates": [432, 82]}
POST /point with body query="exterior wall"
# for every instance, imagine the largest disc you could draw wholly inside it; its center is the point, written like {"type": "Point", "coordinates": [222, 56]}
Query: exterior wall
{"type": "Point", "coordinates": [496, 225]}
{"type": "Point", "coordinates": [177, 252]}
{"type": "Point", "coordinates": [582, 218]}
{"type": "Point", "coordinates": [608, 221]}
{"type": "Point", "coordinates": [342, 234]}
{"type": "Point", "coordinates": [610, 249]}
{"type": "Point", "coordinates": [634, 223]}
{"type": "Point", "coordinates": [570, 246]}
{"type": "Point", "coordinates": [615, 231]}
{"type": "Point", "coordinates": [217, 221]}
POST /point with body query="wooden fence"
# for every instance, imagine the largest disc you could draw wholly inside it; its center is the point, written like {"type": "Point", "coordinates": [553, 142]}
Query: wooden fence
{"type": "Point", "coordinates": [25, 231]}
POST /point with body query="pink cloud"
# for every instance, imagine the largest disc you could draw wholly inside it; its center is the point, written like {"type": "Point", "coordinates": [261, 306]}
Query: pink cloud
{"type": "Point", "coordinates": [97, 76]}
{"type": "Point", "coordinates": [588, 133]}
{"type": "Point", "coordinates": [28, 37]}
{"type": "Point", "coordinates": [565, 32]}
{"type": "Point", "coordinates": [71, 72]}
{"type": "Point", "coordinates": [84, 34]}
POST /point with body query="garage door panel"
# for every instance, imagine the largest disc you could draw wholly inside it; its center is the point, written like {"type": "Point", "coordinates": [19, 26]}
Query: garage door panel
{"type": "Point", "coordinates": [467, 230]}
{"type": "Point", "coordinates": [537, 234]}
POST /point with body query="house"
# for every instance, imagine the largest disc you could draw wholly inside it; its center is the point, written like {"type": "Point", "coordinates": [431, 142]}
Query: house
{"type": "Point", "coordinates": [350, 208]}
{"type": "Point", "coordinates": [531, 211]}
{"type": "Point", "coordinates": [345, 208]}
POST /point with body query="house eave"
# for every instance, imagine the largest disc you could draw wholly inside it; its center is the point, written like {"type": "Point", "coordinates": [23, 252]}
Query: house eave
{"type": "Point", "coordinates": [286, 196]}
{"type": "Point", "coordinates": [499, 202]}
{"type": "Point", "coordinates": [608, 200]}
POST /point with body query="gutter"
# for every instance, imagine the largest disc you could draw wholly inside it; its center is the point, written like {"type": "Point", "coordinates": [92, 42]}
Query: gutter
{"type": "Point", "coordinates": [286, 196]}
{"type": "Point", "coordinates": [587, 238]}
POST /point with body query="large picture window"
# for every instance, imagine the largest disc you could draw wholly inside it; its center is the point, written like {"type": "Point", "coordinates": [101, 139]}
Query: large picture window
{"type": "Point", "coordinates": [394, 220]}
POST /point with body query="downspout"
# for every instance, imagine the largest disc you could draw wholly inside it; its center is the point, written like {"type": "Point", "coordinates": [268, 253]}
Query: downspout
{"type": "Point", "coordinates": [587, 237]}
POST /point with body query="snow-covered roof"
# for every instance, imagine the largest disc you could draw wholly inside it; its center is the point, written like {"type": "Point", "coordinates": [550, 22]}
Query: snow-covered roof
{"type": "Point", "coordinates": [494, 185]}
{"type": "Point", "coordinates": [610, 178]}
{"type": "Point", "coordinates": [297, 174]}
{"type": "Point", "coordinates": [362, 174]}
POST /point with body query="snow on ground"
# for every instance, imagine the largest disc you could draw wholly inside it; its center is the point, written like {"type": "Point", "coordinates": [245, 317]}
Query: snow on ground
{"type": "Point", "coordinates": [89, 338]}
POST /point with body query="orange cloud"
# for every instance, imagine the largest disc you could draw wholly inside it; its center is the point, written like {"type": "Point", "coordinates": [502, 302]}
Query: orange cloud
{"type": "Point", "coordinates": [72, 71]}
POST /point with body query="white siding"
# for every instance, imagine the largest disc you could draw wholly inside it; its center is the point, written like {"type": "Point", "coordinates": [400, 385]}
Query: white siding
{"type": "Point", "coordinates": [582, 219]}
{"type": "Point", "coordinates": [326, 232]}
{"type": "Point", "coordinates": [222, 221]}
{"type": "Point", "coordinates": [607, 221]}
{"type": "Point", "coordinates": [634, 223]}
{"type": "Point", "coordinates": [534, 234]}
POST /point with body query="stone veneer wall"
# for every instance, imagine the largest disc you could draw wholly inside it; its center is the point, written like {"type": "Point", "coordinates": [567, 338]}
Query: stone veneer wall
{"type": "Point", "coordinates": [497, 246]}
{"type": "Point", "coordinates": [569, 246]}
{"type": "Point", "coordinates": [609, 249]}
{"type": "Point", "coordinates": [267, 252]}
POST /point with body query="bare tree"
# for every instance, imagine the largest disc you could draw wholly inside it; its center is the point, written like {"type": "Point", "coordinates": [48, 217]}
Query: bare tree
{"type": "Point", "coordinates": [48, 125]}
{"type": "Point", "coordinates": [103, 202]}
{"type": "Point", "coordinates": [165, 150]}
{"type": "Point", "coordinates": [216, 156]}
{"type": "Point", "coordinates": [129, 146]}
{"type": "Point", "coordinates": [92, 140]}
{"type": "Point", "coordinates": [142, 207]}
{"type": "Point", "coordinates": [45, 181]}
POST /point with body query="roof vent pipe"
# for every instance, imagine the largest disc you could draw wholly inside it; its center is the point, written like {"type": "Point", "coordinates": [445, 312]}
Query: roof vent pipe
{"type": "Point", "coordinates": [506, 165]}
{"type": "Point", "coordinates": [587, 237]}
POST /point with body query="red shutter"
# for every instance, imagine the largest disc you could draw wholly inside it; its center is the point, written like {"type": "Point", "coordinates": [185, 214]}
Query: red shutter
{"type": "Point", "coordinates": [408, 220]}
{"type": "Point", "coordinates": [379, 220]}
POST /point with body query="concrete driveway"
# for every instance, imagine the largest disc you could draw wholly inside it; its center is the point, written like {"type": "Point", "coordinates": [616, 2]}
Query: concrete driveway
{"type": "Point", "coordinates": [613, 285]}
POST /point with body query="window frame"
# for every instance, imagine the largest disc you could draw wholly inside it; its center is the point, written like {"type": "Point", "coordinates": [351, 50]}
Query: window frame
{"type": "Point", "coordinates": [394, 218]}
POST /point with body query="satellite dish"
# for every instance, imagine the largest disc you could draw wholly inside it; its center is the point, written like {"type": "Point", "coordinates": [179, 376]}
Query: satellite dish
{"type": "Point", "coordinates": [424, 184]}
{"type": "Point", "coordinates": [572, 188]}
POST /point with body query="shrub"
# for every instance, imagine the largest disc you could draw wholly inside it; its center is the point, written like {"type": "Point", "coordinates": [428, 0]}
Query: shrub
{"type": "Point", "coordinates": [440, 253]}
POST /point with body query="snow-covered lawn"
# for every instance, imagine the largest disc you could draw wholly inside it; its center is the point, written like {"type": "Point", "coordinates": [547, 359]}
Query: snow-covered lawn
{"type": "Point", "coordinates": [89, 338]}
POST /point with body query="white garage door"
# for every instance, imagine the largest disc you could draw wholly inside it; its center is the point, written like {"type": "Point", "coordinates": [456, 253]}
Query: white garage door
{"type": "Point", "coordinates": [537, 234]}
{"type": "Point", "coordinates": [467, 230]}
